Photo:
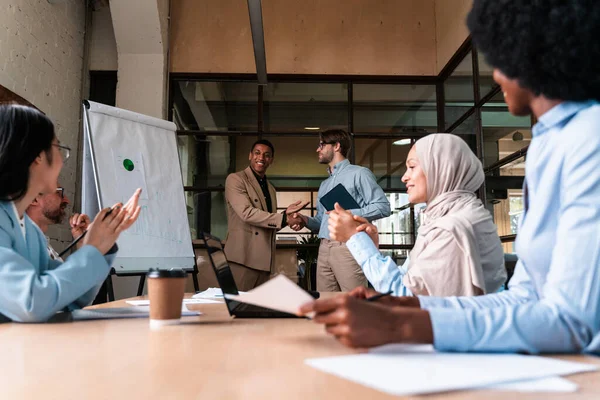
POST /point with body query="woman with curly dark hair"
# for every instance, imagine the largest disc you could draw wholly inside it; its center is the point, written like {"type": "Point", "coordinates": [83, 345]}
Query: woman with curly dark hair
{"type": "Point", "coordinates": [546, 59]}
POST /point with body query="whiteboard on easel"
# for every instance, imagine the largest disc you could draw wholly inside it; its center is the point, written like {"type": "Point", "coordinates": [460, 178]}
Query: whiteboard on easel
{"type": "Point", "coordinates": [122, 151]}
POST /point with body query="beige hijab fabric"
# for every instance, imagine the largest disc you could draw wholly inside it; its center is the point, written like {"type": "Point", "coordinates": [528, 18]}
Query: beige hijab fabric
{"type": "Point", "coordinates": [457, 251]}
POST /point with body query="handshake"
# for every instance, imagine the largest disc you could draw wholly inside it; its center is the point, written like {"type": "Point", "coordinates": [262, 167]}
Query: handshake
{"type": "Point", "coordinates": [295, 220]}
{"type": "Point", "coordinates": [342, 224]}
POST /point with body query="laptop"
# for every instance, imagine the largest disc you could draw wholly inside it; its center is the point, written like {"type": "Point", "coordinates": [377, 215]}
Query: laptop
{"type": "Point", "coordinates": [228, 286]}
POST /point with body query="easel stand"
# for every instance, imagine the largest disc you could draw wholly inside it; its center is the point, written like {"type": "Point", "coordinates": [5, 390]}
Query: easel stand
{"type": "Point", "coordinates": [123, 151]}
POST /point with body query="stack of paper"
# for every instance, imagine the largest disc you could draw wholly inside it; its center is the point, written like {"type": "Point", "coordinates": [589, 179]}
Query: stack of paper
{"type": "Point", "coordinates": [411, 370]}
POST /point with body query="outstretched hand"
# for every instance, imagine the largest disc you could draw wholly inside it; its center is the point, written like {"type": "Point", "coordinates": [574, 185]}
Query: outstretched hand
{"type": "Point", "coordinates": [295, 207]}
{"type": "Point", "coordinates": [107, 226]}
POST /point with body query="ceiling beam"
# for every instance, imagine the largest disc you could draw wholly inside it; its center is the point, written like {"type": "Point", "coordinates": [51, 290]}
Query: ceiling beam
{"type": "Point", "coordinates": [258, 40]}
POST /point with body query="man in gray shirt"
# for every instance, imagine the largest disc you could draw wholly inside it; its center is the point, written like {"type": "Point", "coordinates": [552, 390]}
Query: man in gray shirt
{"type": "Point", "coordinates": [336, 268]}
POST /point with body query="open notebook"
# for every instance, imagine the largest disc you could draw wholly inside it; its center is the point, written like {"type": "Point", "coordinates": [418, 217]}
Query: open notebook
{"type": "Point", "coordinates": [113, 313]}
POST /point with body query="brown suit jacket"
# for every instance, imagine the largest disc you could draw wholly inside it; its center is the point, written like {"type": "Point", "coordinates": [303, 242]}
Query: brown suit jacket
{"type": "Point", "coordinates": [251, 227]}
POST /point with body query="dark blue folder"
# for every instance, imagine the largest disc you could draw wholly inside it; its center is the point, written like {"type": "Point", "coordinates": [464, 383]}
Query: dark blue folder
{"type": "Point", "coordinates": [340, 195]}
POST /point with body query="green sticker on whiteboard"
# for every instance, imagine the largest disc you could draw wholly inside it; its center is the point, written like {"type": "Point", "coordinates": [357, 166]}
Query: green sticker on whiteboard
{"type": "Point", "coordinates": [128, 164]}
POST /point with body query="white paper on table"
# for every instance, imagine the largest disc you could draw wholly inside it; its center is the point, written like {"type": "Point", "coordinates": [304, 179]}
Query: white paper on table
{"type": "Point", "coordinates": [279, 294]}
{"type": "Point", "coordinates": [554, 384]}
{"type": "Point", "coordinates": [211, 293]}
{"type": "Point", "coordinates": [551, 384]}
{"type": "Point", "coordinates": [408, 370]}
{"type": "Point", "coordinates": [185, 301]}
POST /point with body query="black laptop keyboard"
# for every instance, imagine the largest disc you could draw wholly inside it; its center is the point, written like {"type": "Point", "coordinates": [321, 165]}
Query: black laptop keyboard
{"type": "Point", "coordinates": [252, 311]}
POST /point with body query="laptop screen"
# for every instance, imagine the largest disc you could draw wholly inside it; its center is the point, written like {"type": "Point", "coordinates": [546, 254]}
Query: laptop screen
{"type": "Point", "coordinates": [220, 265]}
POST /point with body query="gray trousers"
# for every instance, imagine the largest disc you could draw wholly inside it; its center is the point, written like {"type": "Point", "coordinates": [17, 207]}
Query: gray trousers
{"type": "Point", "coordinates": [337, 270]}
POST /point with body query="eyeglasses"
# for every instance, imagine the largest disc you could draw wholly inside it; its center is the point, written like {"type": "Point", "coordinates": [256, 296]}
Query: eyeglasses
{"type": "Point", "coordinates": [323, 144]}
{"type": "Point", "coordinates": [61, 191]}
{"type": "Point", "coordinates": [65, 151]}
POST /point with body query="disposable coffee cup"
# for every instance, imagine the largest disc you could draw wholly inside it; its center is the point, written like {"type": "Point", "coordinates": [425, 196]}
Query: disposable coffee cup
{"type": "Point", "coordinates": [165, 289]}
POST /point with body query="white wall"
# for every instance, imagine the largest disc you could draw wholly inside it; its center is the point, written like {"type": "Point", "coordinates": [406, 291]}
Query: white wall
{"type": "Point", "coordinates": [41, 60]}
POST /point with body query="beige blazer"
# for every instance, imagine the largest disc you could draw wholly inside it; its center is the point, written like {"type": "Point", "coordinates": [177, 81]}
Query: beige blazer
{"type": "Point", "coordinates": [251, 227]}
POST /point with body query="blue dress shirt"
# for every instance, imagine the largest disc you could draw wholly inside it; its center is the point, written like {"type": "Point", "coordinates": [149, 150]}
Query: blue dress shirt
{"type": "Point", "coordinates": [362, 186]}
{"type": "Point", "coordinates": [381, 271]}
{"type": "Point", "coordinates": [32, 286]}
{"type": "Point", "coordinates": [553, 301]}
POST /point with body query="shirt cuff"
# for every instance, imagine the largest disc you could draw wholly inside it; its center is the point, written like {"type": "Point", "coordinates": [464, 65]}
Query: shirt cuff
{"type": "Point", "coordinates": [313, 225]}
{"type": "Point", "coordinates": [427, 302]}
{"type": "Point", "coordinates": [450, 329]}
{"type": "Point", "coordinates": [362, 247]}
{"type": "Point", "coordinates": [356, 211]}
{"type": "Point", "coordinates": [284, 220]}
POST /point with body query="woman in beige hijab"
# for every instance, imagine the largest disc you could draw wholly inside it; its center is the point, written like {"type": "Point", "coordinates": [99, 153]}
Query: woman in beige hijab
{"type": "Point", "coordinates": [457, 251]}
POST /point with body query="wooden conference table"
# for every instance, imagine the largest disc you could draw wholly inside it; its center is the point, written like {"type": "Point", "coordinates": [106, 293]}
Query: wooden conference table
{"type": "Point", "coordinates": [207, 357]}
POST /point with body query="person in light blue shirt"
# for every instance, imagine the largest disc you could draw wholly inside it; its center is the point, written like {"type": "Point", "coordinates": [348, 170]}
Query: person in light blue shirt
{"type": "Point", "coordinates": [32, 286]}
{"type": "Point", "coordinates": [546, 58]}
{"type": "Point", "coordinates": [336, 268]}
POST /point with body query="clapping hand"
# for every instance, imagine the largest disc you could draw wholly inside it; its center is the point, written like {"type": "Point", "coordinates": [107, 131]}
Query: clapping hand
{"type": "Point", "coordinates": [79, 223]}
{"type": "Point", "coordinates": [105, 230]}
{"type": "Point", "coordinates": [368, 228]}
{"type": "Point", "coordinates": [341, 224]}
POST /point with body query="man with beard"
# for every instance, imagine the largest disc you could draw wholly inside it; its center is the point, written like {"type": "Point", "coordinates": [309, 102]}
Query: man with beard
{"type": "Point", "coordinates": [336, 267]}
{"type": "Point", "coordinates": [50, 209]}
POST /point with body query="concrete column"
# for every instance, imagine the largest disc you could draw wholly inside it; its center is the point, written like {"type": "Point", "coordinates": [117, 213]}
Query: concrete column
{"type": "Point", "coordinates": [141, 32]}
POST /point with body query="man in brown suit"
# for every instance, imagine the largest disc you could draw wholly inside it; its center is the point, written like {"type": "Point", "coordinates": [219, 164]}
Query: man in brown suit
{"type": "Point", "coordinates": [253, 219]}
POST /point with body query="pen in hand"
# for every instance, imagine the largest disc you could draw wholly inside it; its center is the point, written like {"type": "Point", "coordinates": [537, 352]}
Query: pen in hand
{"type": "Point", "coordinates": [378, 296]}
{"type": "Point", "coordinates": [74, 242]}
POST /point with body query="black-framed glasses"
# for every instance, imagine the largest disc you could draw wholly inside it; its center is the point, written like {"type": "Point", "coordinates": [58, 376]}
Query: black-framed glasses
{"type": "Point", "coordinates": [61, 192]}
{"type": "Point", "coordinates": [323, 144]}
{"type": "Point", "coordinates": [65, 151]}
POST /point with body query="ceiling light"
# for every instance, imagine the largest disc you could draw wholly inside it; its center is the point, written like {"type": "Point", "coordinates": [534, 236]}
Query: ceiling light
{"type": "Point", "coordinates": [402, 142]}
{"type": "Point", "coordinates": [312, 128]}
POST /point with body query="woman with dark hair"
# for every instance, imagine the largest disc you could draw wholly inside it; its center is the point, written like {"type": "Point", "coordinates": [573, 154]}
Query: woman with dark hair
{"type": "Point", "coordinates": [33, 287]}
{"type": "Point", "coordinates": [546, 59]}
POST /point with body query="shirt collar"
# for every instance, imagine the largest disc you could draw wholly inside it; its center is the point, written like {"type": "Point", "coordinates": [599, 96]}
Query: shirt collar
{"type": "Point", "coordinates": [558, 115]}
{"type": "Point", "coordinates": [14, 207]}
{"type": "Point", "coordinates": [258, 178]}
{"type": "Point", "coordinates": [338, 167]}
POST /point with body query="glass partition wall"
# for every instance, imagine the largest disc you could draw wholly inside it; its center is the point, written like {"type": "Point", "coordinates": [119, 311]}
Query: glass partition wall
{"type": "Point", "coordinates": [218, 119]}
{"type": "Point", "coordinates": [220, 116]}
{"type": "Point", "coordinates": [473, 106]}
